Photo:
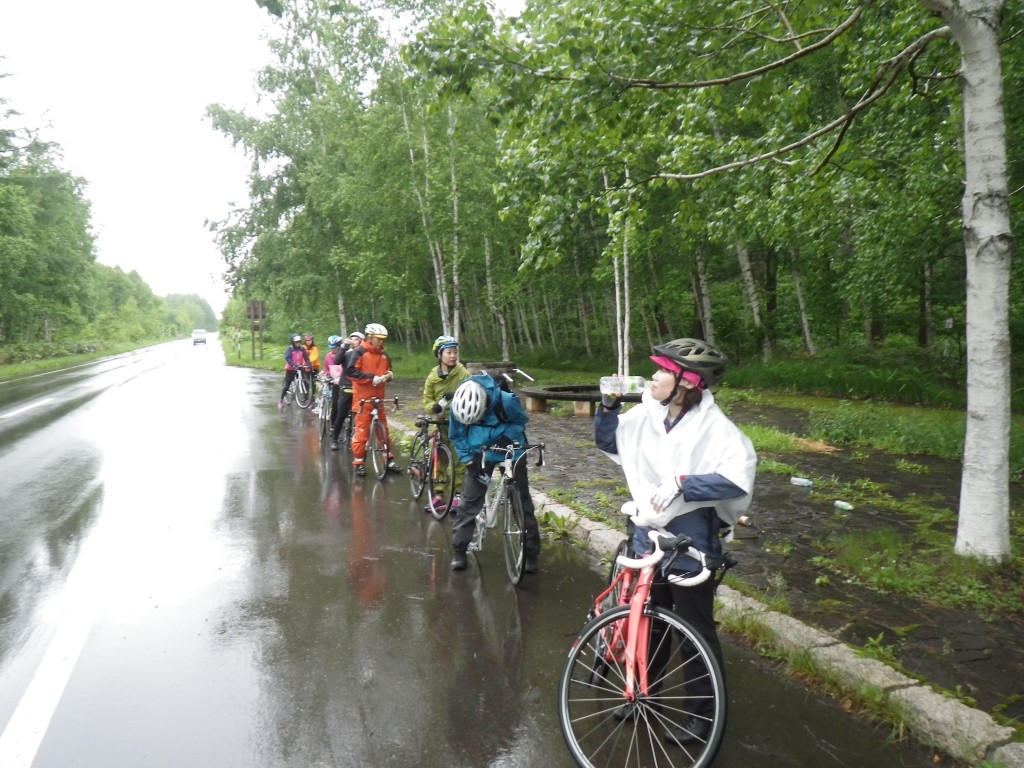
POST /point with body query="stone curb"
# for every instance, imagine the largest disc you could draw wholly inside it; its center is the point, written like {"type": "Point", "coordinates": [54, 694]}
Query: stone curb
{"type": "Point", "coordinates": [966, 734]}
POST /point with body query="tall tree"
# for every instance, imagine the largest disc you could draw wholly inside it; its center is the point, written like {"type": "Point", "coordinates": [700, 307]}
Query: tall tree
{"type": "Point", "coordinates": [642, 86]}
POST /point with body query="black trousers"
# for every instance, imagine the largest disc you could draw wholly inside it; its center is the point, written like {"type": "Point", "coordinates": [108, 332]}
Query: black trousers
{"type": "Point", "coordinates": [341, 404]}
{"type": "Point", "coordinates": [474, 490]}
{"type": "Point", "coordinates": [695, 605]}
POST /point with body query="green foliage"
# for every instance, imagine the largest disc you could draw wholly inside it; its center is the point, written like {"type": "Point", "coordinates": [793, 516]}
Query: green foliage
{"type": "Point", "coordinates": [890, 562]}
{"type": "Point", "coordinates": [898, 372]}
{"type": "Point", "coordinates": [55, 298]}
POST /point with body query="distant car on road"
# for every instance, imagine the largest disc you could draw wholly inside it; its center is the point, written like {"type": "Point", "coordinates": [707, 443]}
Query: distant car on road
{"type": "Point", "coordinates": [198, 336]}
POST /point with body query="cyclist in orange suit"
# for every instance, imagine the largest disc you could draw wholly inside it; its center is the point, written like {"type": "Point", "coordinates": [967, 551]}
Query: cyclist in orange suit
{"type": "Point", "coordinates": [313, 351]}
{"type": "Point", "coordinates": [369, 369]}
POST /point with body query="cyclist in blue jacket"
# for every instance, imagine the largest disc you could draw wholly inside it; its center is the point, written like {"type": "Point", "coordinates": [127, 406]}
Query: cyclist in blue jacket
{"type": "Point", "coordinates": [482, 414]}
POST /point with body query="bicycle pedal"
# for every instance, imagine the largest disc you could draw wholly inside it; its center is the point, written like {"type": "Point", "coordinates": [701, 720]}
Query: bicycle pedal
{"type": "Point", "coordinates": [473, 547]}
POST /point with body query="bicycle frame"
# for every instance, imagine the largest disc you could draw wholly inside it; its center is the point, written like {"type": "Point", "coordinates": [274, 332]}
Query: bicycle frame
{"type": "Point", "coordinates": [485, 518]}
{"type": "Point", "coordinates": [380, 453]}
{"type": "Point", "coordinates": [635, 580]}
{"type": "Point", "coordinates": [431, 464]}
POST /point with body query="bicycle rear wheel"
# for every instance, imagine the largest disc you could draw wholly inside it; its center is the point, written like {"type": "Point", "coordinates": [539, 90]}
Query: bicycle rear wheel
{"type": "Point", "coordinates": [378, 447]}
{"type": "Point", "coordinates": [514, 532]}
{"type": "Point", "coordinates": [592, 692]}
{"type": "Point", "coordinates": [325, 416]}
{"type": "Point", "coordinates": [419, 464]}
{"type": "Point", "coordinates": [442, 480]}
{"type": "Point", "coordinates": [303, 390]}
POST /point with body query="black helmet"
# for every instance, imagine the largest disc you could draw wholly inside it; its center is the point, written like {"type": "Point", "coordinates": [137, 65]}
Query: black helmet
{"type": "Point", "coordinates": [693, 355]}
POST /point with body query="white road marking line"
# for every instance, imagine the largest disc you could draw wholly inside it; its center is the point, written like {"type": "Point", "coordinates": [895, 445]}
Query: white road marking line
{"type": "Point", "coordinates": [25, 730]}
{"type": "Point", "coordinates": [36, 404]}
{"type": "Point", "coordinates": [77, 606]}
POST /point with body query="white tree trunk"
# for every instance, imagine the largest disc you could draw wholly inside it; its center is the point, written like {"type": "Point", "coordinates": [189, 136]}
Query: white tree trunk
{"type": "Point", "coordinates": [342, 316]}
{"type": "Point", "coordinates": [422, 197]}
{"type": "Point", "coordinates": [747, 273]}
{"type": "Point", "coordinates": [984, 523]}
{"type": "Point", "coordinates": [456, 303]}
{"type": "Point", "coordinates": [626, 347]}
{"type": "Point", "coordinates": [498, 313]}
{"type": "Point", "coordinates": [805, 323]}
{"type": "Point", "coordinates": [704, 297]}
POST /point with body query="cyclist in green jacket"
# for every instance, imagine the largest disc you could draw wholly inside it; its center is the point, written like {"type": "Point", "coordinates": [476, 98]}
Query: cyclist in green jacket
{"type": "Point", "coordinates": [440, 385]}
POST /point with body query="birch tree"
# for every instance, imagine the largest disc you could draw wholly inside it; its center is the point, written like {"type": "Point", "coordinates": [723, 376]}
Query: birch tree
{"type": "Point", "coordinates": [684, 95]}
{"type": "Point", "coordinates": [983, 529]}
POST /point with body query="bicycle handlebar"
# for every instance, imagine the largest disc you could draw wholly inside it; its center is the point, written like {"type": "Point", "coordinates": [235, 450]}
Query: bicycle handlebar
{"type": "Point", "coordinates": [511, 379]}
{"type": "Point", "coordinates": [511, 448]}
{"type": "Point", "coordinates": [663, 545]}
{"type": "Point", "coordinates": [425, 419]}
{"type": "Point", "coordinates": [379, 401]}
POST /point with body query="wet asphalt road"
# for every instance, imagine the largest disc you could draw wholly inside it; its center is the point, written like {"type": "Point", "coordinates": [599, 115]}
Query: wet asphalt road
{"type": "Point", "coordinates": [188, 578]}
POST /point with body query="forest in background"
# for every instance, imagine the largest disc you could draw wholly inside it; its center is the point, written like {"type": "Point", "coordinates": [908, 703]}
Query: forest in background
{"type": "Point", "coordinates": [777, 178]}
{"type": "Point", "coordinates": [422, 166]}
{"type": "Point", "coordinates": [55, 298]}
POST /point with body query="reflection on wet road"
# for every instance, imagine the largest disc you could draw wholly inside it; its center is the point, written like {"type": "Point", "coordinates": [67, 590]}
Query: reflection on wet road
{"type": "Point", "coordinates": [190, 578]}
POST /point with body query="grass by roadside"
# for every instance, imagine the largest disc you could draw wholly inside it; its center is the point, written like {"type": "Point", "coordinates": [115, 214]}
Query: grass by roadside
{"type": "Point", "coordinates": [32, 367]}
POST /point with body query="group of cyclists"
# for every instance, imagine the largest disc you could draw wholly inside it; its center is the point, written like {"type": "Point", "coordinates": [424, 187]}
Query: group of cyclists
{"type": "Point", "coordinates": [356, 368]}
{"type": "Point", "coordinates": [688, 468]}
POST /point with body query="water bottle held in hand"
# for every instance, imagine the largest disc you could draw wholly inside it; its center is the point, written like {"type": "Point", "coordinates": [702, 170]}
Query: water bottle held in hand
{"type": "Point", "coordinates": [622, 385]}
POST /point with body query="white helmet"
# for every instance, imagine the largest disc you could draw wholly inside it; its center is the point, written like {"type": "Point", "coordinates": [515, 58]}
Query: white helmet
{"type": "Point", "coordinates": [376, 329]}
{"type": "Point", "coordinates": [469, 402]}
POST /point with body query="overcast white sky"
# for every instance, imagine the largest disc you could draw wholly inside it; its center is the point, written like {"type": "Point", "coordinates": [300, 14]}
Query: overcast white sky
{"type": "Point", "coordinates": [122, 86]}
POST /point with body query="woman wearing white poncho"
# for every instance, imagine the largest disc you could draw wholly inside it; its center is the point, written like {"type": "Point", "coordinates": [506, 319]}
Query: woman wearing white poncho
{"type": "Point", "coordinates": [689, 470]}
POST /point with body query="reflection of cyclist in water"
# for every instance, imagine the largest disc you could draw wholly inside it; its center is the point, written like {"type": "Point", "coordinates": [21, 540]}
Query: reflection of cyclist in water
{"type": "Point", "coordinates": [367, 572]}
{"type": "Point", "coordinates": [295, 357]}
{"type": "Point", "coordinates": [689, 470]}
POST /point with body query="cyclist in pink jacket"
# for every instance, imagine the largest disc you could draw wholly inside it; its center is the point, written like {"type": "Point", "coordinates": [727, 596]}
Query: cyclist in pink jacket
{"type": "Point", "coordinates": [295, 357]}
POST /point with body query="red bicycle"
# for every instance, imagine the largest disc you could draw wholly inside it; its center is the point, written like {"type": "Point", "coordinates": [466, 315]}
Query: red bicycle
{"type": "Point", "coordinates": [431, 464]}
{"type": "Point", "coordinates": [622, 700]}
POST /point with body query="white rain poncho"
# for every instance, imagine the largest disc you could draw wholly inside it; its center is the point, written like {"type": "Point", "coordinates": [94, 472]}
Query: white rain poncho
{"type": "Point", "coordinates": [703, 442]}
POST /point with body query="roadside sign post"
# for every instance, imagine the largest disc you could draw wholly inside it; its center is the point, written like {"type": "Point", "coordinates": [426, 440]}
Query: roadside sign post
{"type": "Point", "coordinates": [256, 311]}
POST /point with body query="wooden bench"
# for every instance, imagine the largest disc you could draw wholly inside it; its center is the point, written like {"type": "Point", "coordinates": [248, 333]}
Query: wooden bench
{"type": "Point", "coordinates": [495, 369]}
{"type": "Point", "coordinates": [584, 398]}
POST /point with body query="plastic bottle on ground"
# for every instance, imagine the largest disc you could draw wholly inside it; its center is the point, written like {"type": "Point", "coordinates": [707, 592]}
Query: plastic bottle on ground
{"type": "Point", "coordinates": [806, 482]}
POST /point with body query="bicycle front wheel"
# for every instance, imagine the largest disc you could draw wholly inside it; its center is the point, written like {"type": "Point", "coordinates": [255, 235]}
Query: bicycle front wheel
{"type": "Point", "coordinates": [378, 447]}
{"type": "Point", "coordinates": [679, 724]}
{"type": "Point", "coordinates": [350, 428]}
{"type": "Point", "coordinates": [514, 532]}
{"type": "Point", "coordinates": [419, 465]}
{"type": "Point", "coordinates": [303, 390]}
{"type": "Point", "coordinates": [442, 480]}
